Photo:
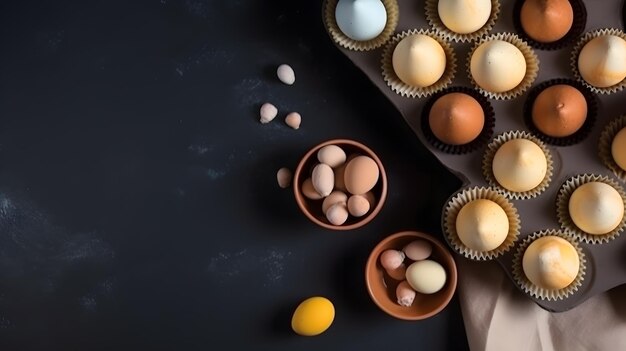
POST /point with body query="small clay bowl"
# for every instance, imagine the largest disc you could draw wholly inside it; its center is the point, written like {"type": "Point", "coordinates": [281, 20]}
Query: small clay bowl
{"type": "Point", "coordinates": [382, 288]}
{"type": "Point", "coordinates": [313, 208]}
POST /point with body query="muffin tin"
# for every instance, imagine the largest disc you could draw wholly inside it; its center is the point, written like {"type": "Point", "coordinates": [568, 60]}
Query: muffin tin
{"type": "Point", "coordinates": [605, 262]}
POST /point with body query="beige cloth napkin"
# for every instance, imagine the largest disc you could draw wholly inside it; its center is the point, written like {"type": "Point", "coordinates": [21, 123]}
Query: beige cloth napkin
{"type": "Point", "coordinates": [499, 317]}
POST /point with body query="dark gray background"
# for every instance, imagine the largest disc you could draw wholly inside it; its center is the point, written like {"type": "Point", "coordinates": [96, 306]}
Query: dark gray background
{"type": "Point", "coordinates": [138, 202]}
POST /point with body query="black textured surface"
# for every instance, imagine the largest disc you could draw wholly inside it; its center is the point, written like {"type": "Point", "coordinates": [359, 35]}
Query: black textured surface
{"type": "Point", "coordinates": [138, 202]}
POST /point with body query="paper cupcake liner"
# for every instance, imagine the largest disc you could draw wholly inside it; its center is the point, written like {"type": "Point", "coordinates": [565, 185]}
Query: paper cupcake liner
{"type": "Point", "coordinates": [578, 26]}
{"type": "Point", "coordinates": [604, 147]}
{"type": "Point", "coordinates": [393, 14]}
{"type": "Point", "coordinates": [580, 134]}
{"type": "Point", "coordinates": [493, 147]}
{"type": "Point", "coordinates": [541, 293]}
{"type": "Point", "coordinates": [451, 212]}
{"type": "Point", "coordinates": [576, 51]}
{"type": "Point", "coordinates": [532, 66]}
{"type": "Point", "coordinates": [482, 139]}
{"type": "Point", "coordinates": [565, 220]}
{"type": "Point", "coordinates": [403, 89]}
{"type": "Point", "coordinates": [432, 16]}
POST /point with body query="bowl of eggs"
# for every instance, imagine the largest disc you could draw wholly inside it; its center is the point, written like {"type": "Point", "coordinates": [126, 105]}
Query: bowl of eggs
{"type": "Point", "coordinates": [411, 275]}
{"type": "Point", "coordinates": [340, 184]}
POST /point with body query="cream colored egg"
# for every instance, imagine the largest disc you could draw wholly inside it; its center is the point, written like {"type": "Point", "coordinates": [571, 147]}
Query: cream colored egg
{"type": "Point", "coordinates": [519, 165]}
{"type": "Point", "coordinates": [418, 250]}
{"type": "Point", "coordinates": [323, 179]}
{"type": "Point", "coordinates": [337, 214]}
{"type": "Point", "coordinates": [332, 155]}
{"type": "Point", "coordinates": [482, 225]}
{"type": "Point", "coordinates": [596, 208]}
{"type": "Point", "coordinates": [426, 277]}
{"type": "Point", "coordinates": [498, 66]}
{"type": "Point", "coordinates": [551, 262]}
{"type": "Point", "coordinates": [602, 61]}
{"type": "Point", "coordinates": [284, 177]}
{"type": "Point", "coordinates": [361, 175]}
{"type": "Point", "coordinates": [464, 16]}
{"type": "Point", "coordinates": [335, 197]}
{"type": "Point", "coordinates": [358, 206]}
{"type": "Point", "coordinates": [419, 60]}
{"type": "Point", "coordinates": [618, 148]}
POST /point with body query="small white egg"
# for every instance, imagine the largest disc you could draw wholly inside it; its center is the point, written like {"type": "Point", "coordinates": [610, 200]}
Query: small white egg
{"type": "Point", "coordinates": [267, 113]}
{"type": "Point", "coordinates": [358, 205]}
{"type": "Point", "coordinates": [332, 155]}
{"type": "Point", "coordinates": [426, 277]}
{"type": "Point", "coordinates": [286, 74]}
{"type": "Point", "coordinates": [336, 196]}
{"type": "Point", "coordinates": [323, 179]}
{"type": "Point", "coordinates": [337, 214]}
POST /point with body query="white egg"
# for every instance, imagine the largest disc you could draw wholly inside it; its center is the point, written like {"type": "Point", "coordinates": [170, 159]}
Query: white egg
{"type": "Point", "coordinates": [498, 66]}
{"type": "Point", "coordinates": [464, 16]}
{"type": "Point", "coordinates": [361, 20]}
{"type": "Point", "coordinates": [426, 277]}
{"type": "Point", "coordinates": [602, 61]}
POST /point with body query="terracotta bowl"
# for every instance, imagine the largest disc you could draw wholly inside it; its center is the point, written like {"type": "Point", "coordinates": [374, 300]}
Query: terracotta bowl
{"type": "Point", "coordinates": [313, 208]}
{"type": "Point", "coordinates": [382, 288]}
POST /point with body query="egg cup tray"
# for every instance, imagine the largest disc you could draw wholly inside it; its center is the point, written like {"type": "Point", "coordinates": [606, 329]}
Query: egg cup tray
{"type": "Point", "coordinates": [606, 263]}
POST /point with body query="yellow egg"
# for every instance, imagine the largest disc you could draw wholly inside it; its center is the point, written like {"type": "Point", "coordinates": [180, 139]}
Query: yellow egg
{"type": "Point", "coordinates": [313, 316]}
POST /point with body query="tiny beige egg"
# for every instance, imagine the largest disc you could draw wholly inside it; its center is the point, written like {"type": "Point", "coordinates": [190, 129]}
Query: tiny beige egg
{"type": "Point", "coordinates": [332, 155]}
{"type": "Point", "coordinates": [361, 175]}
{"type": "Point", "coordinates": [283, 177]}
{"type": "Point", "coordinates": [267, 112]}
{"type": "Point", "coordinates": [418, 250]}
{"type": "Point", "coordinates": [323, 179]}
{"type": "Point", "coordinates": [358, 205]}
{"type": "Point", "coordinates": [405, 294]}
{"type": "Point", "coordinates": [391, 259]}
{"type": "Point", "coordinates": [337, 214]}
{"type": "Point", "coordinates": [286, 74]}
{"type": "Point", "coordinates": [309, 191]}
{"type": "Point", "coordinates": [293, 120]}
{"type": "Point", "coordinates": [334, 197]}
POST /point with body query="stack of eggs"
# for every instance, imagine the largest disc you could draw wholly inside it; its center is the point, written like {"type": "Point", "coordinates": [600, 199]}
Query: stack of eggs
{"type": "Point", "coordinates": [415, 272]}
{"type": "Point", "coordinates": [483, 223]}
{"type": "Point", "coordinates": [343, 183]}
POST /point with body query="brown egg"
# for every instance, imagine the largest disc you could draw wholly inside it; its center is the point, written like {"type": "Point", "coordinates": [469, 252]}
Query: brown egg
{"type": "Point", "coordinates": [361, 175]}
{"type": "Point", "coordinates": [456, 119]}
{"type": "Point", "coordinates": [559, 111]}
{"type": "Point", "coordinates": [546, 21]}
